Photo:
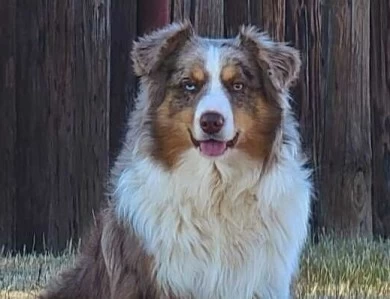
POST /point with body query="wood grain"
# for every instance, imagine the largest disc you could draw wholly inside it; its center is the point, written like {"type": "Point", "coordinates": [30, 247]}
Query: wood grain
{"type": "Point", "coordinates": [380, 114]}
{"type": "Point", "coordinates": [270, 15]}
{"type": "Point", "coordinates": [152, 14]}
{"type": "Point", "coordinates": [345, 153]}
{"type": "Point", "coordinates": [122, 80]}
{"type": "Point", "coordinates": [62, 118]}
{"type": "Point", "coordinates": [35, 146]}
{"type": "Point", "coordinates": [209, 18]}
{"type": "Point", "coordinates": [303, 31]}
{"type": "Point", "coordinates": [91, 84]}
{"type": "Point", "coordinates": [182, 9]}
{"type": "Point", "coordinates": [7, 123]}
{"type": "Point", "coordinates": [236, 13]}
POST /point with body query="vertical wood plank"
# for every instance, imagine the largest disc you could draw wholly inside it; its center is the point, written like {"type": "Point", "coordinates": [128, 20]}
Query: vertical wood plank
{"type": "Point", "coordinates": [236, 14]}
{"type": "Point", "coordinates": [62, 106]}
{"type": "Point", "coordinates": [153, 14]}
{"type": "Point", "coordinates": [91, 85]}
{"type": "Point", "coordinates": [33, 141]}
{"type": "Point", "coordinates": [58, 73]}
{"type": "Point", "coordinates": [182, 9]}
{"type": "Point", "coordinates": [303, 31]}
{"type": "Point", "coordinates": [270, 15]}
{"type": "Point", "coordinates": [122, 79]}
{"type": "Point", "coordinates": [380, 114]}
{"type": "Point", "coordinates": [209, 18]}
{"type": "Point", "coordinates": [345, 205]}
{"type": "Point", "coordinates": [7, 123]}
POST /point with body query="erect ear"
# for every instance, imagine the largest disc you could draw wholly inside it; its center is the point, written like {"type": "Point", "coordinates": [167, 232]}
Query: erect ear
{"type": "Point", "coordinates": [150, 50]}
{"type": "Point", "coordinates": [282, 62]}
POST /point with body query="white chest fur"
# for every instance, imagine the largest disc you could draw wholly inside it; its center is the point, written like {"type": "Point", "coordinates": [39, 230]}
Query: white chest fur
{"type": "Point", "coordinates": [218, 230]}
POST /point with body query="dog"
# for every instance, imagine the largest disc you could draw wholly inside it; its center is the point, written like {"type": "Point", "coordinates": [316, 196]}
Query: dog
{"type": "Point", "coordinates": [210, 194]}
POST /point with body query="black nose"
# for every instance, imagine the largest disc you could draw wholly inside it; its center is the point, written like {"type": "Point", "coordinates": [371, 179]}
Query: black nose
{"type": "Point", "coordinates": [211, 122]}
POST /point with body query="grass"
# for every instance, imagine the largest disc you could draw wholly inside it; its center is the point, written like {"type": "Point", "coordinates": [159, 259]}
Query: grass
{"type": "Point", "coordinates": [345, 269]}
{"type": "Point", "coordinates": [333, 268]}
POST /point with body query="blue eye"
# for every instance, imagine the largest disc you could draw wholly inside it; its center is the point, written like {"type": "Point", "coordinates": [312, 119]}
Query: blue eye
{"type": "Point", "coordinates": [189, 85]}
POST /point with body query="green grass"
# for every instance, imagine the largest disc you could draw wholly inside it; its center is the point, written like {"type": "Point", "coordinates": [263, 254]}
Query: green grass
{"type": "Point", "coordinates": [330, 269]}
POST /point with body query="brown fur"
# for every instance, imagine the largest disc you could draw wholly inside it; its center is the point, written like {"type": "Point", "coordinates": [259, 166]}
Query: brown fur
{"type": "Point", "coordinates": [229, 73]}
{"type": "Point", "coordinates": [112, 264]}
{"type": "Point", "coordinates": [171, 133]}
{"type": "Point", "coordinates": [198, 74]}
{"type": "Point", "coordinates": [258, 130]}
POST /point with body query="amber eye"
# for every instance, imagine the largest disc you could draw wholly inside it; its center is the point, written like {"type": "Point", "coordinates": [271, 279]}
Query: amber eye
{"type": "Point", "coordinates": [238, 86]}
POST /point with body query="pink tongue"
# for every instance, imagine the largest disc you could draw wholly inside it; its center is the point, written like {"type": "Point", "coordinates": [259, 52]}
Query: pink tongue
{"type": "Point", "coordinates": [212, 148]}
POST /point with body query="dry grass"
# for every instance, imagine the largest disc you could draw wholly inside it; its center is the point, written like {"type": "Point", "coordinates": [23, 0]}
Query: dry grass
{"type": "Point", "coordinates": [23, 275]}
{"type": "Point", "coordinates": [345, 269]}
{"type": "Point", "coordinates": [330, 269]}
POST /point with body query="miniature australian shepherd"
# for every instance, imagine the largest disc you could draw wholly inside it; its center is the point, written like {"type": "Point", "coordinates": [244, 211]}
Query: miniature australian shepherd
{"type": "Point", "coordinates": [210, 194]}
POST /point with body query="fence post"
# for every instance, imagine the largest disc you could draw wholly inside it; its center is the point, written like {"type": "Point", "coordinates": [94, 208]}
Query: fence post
{"type": "Point", "coordinates": [380, 114]}
{"type": "Point", "coordinates": [122, 80]}
{"type": "Point", "coordinates": [153, 14]}
{"type": "Point", "coordinates": [7, 123]}
{"type": "Point", "coordinates": [62, 79]}
{"type": "Point", "coordinates": [345, 144]}
{"type": "Point", "coordinates": [209, 18]}
{"type": "Point", "coordinates": [303, 30]}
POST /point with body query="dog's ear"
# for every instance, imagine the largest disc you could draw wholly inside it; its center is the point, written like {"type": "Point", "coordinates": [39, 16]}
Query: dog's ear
{"type": "Point", "coordinates": [150, 50]}
{"type": "Point", "coordinates": [281, 61]}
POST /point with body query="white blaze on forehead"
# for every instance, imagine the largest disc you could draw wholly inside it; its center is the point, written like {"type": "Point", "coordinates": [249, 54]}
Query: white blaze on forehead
{"type": "Point", "coordinates": [215, 99]}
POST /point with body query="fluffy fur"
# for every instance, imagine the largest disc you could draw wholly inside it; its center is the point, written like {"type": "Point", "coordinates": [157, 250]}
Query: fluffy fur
{"type": "Point", "coordinates": [181, 224]}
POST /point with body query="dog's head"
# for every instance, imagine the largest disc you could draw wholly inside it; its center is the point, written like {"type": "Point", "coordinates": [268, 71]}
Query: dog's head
{"type": "Point", "coordinates": [216, 96]}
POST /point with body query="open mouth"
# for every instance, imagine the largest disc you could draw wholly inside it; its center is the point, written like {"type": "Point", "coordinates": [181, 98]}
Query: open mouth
{"type": "Point", "coordinates": [212, 147]}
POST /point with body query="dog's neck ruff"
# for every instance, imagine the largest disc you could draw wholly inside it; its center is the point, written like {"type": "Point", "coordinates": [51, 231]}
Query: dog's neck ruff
{"type": "Point", "coordinates": [216, 230]}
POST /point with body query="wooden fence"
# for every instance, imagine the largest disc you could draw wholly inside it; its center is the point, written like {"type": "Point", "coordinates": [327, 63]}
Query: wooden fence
{"type": "Point", "coordinates": [66, 86]}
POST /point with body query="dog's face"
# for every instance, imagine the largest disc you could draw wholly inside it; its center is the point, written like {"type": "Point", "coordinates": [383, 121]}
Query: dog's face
{"type": "Point", "coordinates": [213, 95]}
